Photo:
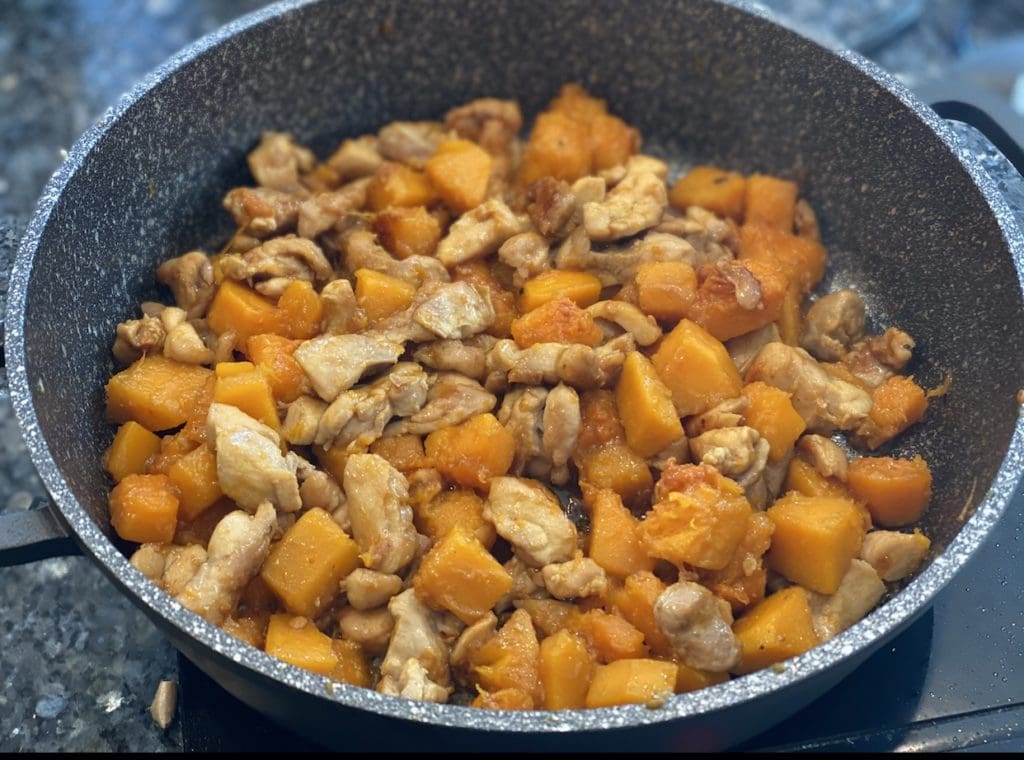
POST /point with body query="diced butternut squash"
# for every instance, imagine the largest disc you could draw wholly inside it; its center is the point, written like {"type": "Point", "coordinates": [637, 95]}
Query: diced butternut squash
{"type": "Point", "coordinates": [304, 569]}
{"type": "Point", "coordinates": [789, 317]}
{"type": "Point", "coordinates": [566, 667]}
{"type": "Point", "coordinates": [666, 289]}
{"type": "Point", "coordinates": [618, 467]}
{"type": "Point", "coordinates": [407, 231]}
{"type": "Point", "coordinates": [582, 288]}
{"type": "Point", "coordinates": [645, 407]}
{"type": "Point", "coordinates": [472, 453]}
{"type": "Point", "coordinates": [557, 321]}
{"type": "Point", "coordinates": [720, 308]}
{"type": "Point", "coordinates": [460, 171]}
{"type": "Point", "coordinates": [896, 491]}
{"type": "Point", "coordinates": [632, 681]}
{"type": "Point", "coordinates": [240, 308]}
{"type": "Point", "coordinates": [803, 478]}
{"type": "Point", "coordinates": [172, 448]}
{"type": "Point", "coordinates": [459, 575]}
{"type": "Point", "coordinates": [692, 679]}
{"type": "Point", "coordinates": [612, 141]}
{"type": "Point", "coordinates": [252, 629]}
{"type": "Point", "coordinates": [353, 665]}
{"type": "Point", "coordinates": [559, 147]}
{"type": "Point", "coordinates": [774, 630]}
{"type": "Point", "coordinates": [743, 580]}
{"type": "Point", "coordinates": [403, 452]}
{"type": "Point", "coordinates": [578, 104]}
{"type": "Point", "coordinates": [696, 368]}
{"type": "Point", "coordinates": [801, 260]}
{"type": "Point", "coordinates": [333, 460]}
{"type": "Point", "coordinates": [717, 190]}
{"type": "Point", "coordinates": [380, 295]}
{"type": "Point", "coordinates": [611, 637]}
{"type": "Point", "coordinates": [195, 477]}
{"type": "Point", "coordinates": [480, 273]}
{"type": "Point", "coordinates": [510, 659]}
{"type": "Point", "coordinates": [451, 509]}
{"type": "Point", "coordinates": [701, 525]}
{"type": "Point", "coordinates": [897, 404]}
{"type": "Point", "coordinates": [549, 615]}
{"type": "Point", "coordinates": [250, 392]}
{"type": "Point", "coordinates": [815, 539]}
{"type": "Point", "coordinates": [274, 355]}
{"type": "Point", "coordinates": [614, 534]}
{"type": "Point", "coordinates": [155, 392]}
{"type": "Point", "coordinates": [297, 641]}
{"type": "Point", "coordinates": [599, 421]}
{"type": "Point", "coordinates": [771, 414]}
{"type": "Point", "coordinates": [395, 184]}
{"type": "Point", "coordinates": [634, 601]}
{"type": "Point", "coordinates": [300, 310]}
{"type": "Point", "coordinates": [144, 508]}
{"type": "Point", "coordinates": [770, 201]}
{"type": "Point", "coordinates": [232, 369]}
{"type": "Point", "coordinates": [132, 446]}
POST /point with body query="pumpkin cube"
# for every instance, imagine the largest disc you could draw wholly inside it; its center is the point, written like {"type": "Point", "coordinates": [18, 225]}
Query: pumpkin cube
{"type": "Point", "coordinates": [395, 184]}
{"type": "Point", "coordinates": [614, 534]}
{"type": "Point", "coordinates": [645, 407]}
{"type": "Point", "coordinates": [692, 679]}
{"type": "Point", "coordinates": [473, 452]}
{"type": "Point", "coordinates": [896, 491]}
{"type": "Point", "coordinates": [144, 509]}
{"type": "Point", "coordinates": [557, 321]}
{"type": "Point", "coordinates": [297, 641]}
{"type": "Point", "coordinates": [771, 414]}
{"type": "Point", "coordinates": [273, 354]}
{"type": "Point", "coordinates": [770, 201]}
{"type": "Point", "coordinates": [250, 392]}
{"type": "Point", "coordinates": [612, 141]}
{"type": "Point", "coordinates": [801, 260]}
{"type": "Point", "coordinates": [632, 681]}
{"type": "Point", "coordinates": [666, 289]}
{"type": "Point", "coordinates": [790, 322]}
{"type": "Point", "coordinates": [717, 190]}
{"type": "Point", "coordinates": [619, 468]}
{"type": "Point", "coordinates": [582, 288]}
{"type": "Point", "coordinates": [404, 452]}
{"type": "Point", "coordinates": [634, 600]}
{"type": "Point", "coordinates": [719, 306]}
{"type": "Point", "coordinates": [775, 629]}
{"type": "Point", "coordinates": [559, 147]}
{"type": "Point", "coordinates": [897, 404]}
{"type": "Point", "coordinates": [450, 509]}
{"type": "Point", "coordinates": [300, 310]}
{"type": "Point", "coordinates": [353, 666]}
{"type": "Point", "coordinates": [803, 478]}
{"type": "Point", "coordinates": [549, 615]}
{"type": "Point", "coordinates": [132, 446]}
{"type": "Point", "coordinates": [510, 659]}
{"type": "Point", "coordinates": [610, 636]}
{"type": "Point", "coordinates": [407, 231]}
{"type": "Point", "coordinates": [380, 295]}
{"type": "Point", "coordinates": [195, 477]}
{"type": "Point", "coordinates": [460, 171]}
{"type": "Point", "coordinates": [696, 368]}
{"type": "Point", "coordinates": [240, 308]}
{"type": "Point", "coordinates": [156, 392]}
{"type": "Point", "coordinates": [566, 667]}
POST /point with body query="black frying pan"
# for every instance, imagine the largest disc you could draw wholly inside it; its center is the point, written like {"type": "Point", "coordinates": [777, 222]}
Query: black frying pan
{"type": "Point", "coordinates": [923, 235]}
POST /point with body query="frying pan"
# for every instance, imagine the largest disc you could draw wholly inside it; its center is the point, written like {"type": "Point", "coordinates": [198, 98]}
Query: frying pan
{"type": "Point", "coordinates": [920, 232]}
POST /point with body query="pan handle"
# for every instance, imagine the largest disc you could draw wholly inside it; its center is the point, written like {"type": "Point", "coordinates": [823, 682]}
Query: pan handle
{"type": "Point", "coordinates": [25, 535]}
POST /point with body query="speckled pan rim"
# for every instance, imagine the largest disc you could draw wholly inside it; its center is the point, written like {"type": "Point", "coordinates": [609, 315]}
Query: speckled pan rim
{"type": "Point", "coordinates": [873, 630]}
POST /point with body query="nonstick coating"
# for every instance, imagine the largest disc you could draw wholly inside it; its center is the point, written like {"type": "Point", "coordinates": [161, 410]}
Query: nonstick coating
{"type": "Point", "coordinates": [925, 238]}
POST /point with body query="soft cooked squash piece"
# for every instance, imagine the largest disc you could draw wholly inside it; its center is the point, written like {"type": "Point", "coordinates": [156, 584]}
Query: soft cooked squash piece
{"type": "Point", "coordinates": [645, 407]}
{"type": "Point", "coordinates": [297, 641]}
{"type": "Point", "coordinates": [479, 273]}
{"type": "Point", "coordinates": [557, 321]}
{"type": "Point", "coordinates": [599, 422]}
{"type": "Point", "coordinates": [250, 392]}
{"type": "Point", "coordinates": [559, 147]}
{"type": "Point", "coordinates": [897, 404]}
{"type": "Point", "coordinates": [633, 681]}
{"type": "Point", "coordinates": [700, 525]}
{"type": "Point", "coordinates": [198, 531]}
{"type": "Point", "coordinates": [612, 141]}
{"type": "Point", "coordinates": [896, 491]}
{"type": "Point", "coordinates": [252, 629]}
{"type": "Point", "coordinates": [274, 355]}
{"type": "Point", "coordinates": [771, 414]}
{"type": "Point", "coordinates": [353, 665]}
{"type": "Point", "coordinates": [789, 317]}
{"type": "Point", "coordinates": [195, 477]}
{"type": "Point", "coordinates": [576, 103]}
{"type": "Point", "coordinates": [774, 630]}
{"type": "Point", "coordinates": [459, 575]}
{"type": "Point", "coordinates": [460, 171]}
{"type": "Point", "coordinates": [582, 288]}
{"type": "Point", "coordinates": [131, 448]}
{"type": "Point", "coordinates": [717, 309]}
{"type": "Point", "coordinates": [803, 478]}
{"type": "Point", "coordinates": [304, 569]}
{"type": "Point", "coordinates": [473, 452]}
{"type": "Point", "coordinates": [232, 369]}
{"type": "Point", "coordinates": [801, 260]}
{"type": "Point", "coordinates": [611, 637]}
{"type": "Point", "coordinates": [404, 452]}
{"type": "Point", "coordinates": [614, 534]}
{"type": "Point", "coordinates": [566, 667]}
{"type": "Point", "coordinates": [407, 231]}
{"type": "Point", "coordinates": [549, 615]}
{"type": "Point", "coordinates": [618, 467]}
{"type": "Point", "coordinates": [510, 659]}
{"type": "Point", "coordinates": [743, 580]}
{"type": "Point", "coordinates": [634, 601]}
{"type": "Point", "coordinates": [240, 308]}
{"type": "Point", "coordinates": [666, 289]}
{"type": "Point", "coordinates": [692, 679]}
{"type": "Point", "coordinates": [300, 310]}
{"type": "Point", "coordinates": [172, 448]}
{"type": "Point", "coordinates": [395, 184]}
{"type": "Point", "coordinates": [815, 539]}
{"type": "Point", "coordinates": [451, 509]}
{"type": "Point", "coordinates": [144, 508]}
{"type": "Point", "coordinates": [770, 201]}
{"type": "Point", "coordinates": [155, 392]}
{"type": "Point", "coordinates": [332, 460]}
{"type": "Point", "coordinates": [380, 295]}
{"type": "Point", "coordinates": [696, 368]}
{"type": "Point", "coordinates": [717, 190]}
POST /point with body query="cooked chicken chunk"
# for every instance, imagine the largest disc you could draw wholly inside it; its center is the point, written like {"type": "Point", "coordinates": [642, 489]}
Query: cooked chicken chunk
{"type": "Point", "coordinates": [825, 402]}
{"type": "Point", "coordinates": [410, 142]}
{"type": "Point", "coordinates": [877, 359]}
{"type": "Point", "coordinates": [618, 266]}
{"type": "Point", "coordinates": [578, 578]}
{"type": "Point", "coordinates": [341, 312]}
{"type": "Point", "coordinates": [320, 489]}
{"type": "Point", "coordinates": [632, 206]}
{"type": "Point", "coordinates": [479, 232]}
{"type": "Point", "coordinates": [468, 357]}
{"type": "Point", "coordinates": [369, 589]}
{"type": "Point", "coordinates": [440, 310]}
{"type": "Point", "coordinates": [858, 593]}
{"type": "Point", "coordinates": [362, 251]}
{"type": "Point", "coordinates": [727, 414]}
{"type": "Point", "coordinates": [414, 639]}
{"type": "Point", "coordinates": [699, 625]}
{"type": "Point", "coordinates": [237, 549]}
{"type": "Point", "coordinates": [529, 516]}
{"type": "Point", "coordinates": [739, 453]}
{"type": "Point", "coordinates": [742, 349]}
{"type": "Point", "coordinates": [522, 414]}
{"type": "Point", "coordinates": [190, 278]}
{"type": "Point", "coordinates": [183, 343]}
{"type": "Point", "coordinates": [528, 254]}
{"type": "Point", "coordinates": [549, 363]}
{"type": "Point", "coordinates": [136, 337]}
{"type": "Point", "coordinates": [527, 583]}
{"type": "Point", "coordinates": [470, 640]}
{"type": "Point", "coordinates": [712, 238]}
{"type": "Point", "coordinates": [224, 418]}
{"type": "Point", "coordinates": [356, 158]}
{"type": "Point", "coordinates": [274, 265]}
{"type": "Point", "coordinates": [334, 363]}
{"type": "Point", "coordinates": [551, 206]}
{"type": "Point", "coordinates": [562, 421]}
{"type": "Point", "coordinates": [324, 210]}
{"type": "Point", "coordinates": [278, 161]}
{"type": "Point", "coordinates": [451, 400]}
{"type": "Point", "coordinates": [261, 211]}
{"type": "Point", "coordinates": [894, 555]}
{"type": "Point", "coordinates": [731, 279]}
{"type": "Point", "coordinates": [832, 324]}
{"type": "Point", "coordinates": [302, 419]}
{"type": "Point", "coordinates": [171, 567]}
{"type": "Point", "coordinates": [370, 629]}
{"type": "Point", "coordinates": [492, 123]}
{"type": "Point", "coordinates": [377, 496]}
{"type": "Point", "coordinates": [825, 455]}
{"type": "Point", "coordinates": [644, 329]}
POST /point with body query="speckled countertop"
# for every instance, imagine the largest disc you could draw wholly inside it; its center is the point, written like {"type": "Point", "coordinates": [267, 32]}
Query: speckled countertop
{"type": "Point", "coordinates": [78, 663]}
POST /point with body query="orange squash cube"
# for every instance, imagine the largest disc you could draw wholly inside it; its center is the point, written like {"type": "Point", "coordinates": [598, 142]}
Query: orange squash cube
{"type": "Point", "coordinates": [770, 201]}
{"type": "Point", "coordinates": [132, 446]}
{"type": "Point", "coordinates": [407, 231]}
{"type": "Point", "coordinates": [611, 637]}
{"type": "Point", "coordinates": [692, 679]}
{"type": "Point", "coordinates": [619, 468]}
{"type": "Point", "coordinates": [897, 404]}
{"type": "Point", "coordinates": [801, 260]}
{"type": "Point", "coordinates": [634, 601]}
{"type": "Point", "coordinates": [300, 310]}
{"type": "Point", "coordinates": [557, 321]}
{"type": "Point", "coordinates": [451, 509]}
{"type": "Point", "coordinates": [632, 681]}
{"type": "Point", "coordinates": [774, 630]}
{"type": "Point", "coordinates": [353, 665]}
{"type": "Point", "coordinates": [614, 534]}
{"type": "Point", "coordinates": [273, 354]}
{"type": "Point", "coordinates": [896, 491]}
{"type": "Point", "coordinates": [380, 295]}
{"type": "Point", "coordinates": [460, 171]}
{"type": "Point", "coordinates": [510, 659]}
{"type": "Point", "coordinates": [404, 452]}
{"type": "Point", "coordinates": [297, 641]}
{"type": "Point", "coordinates": [240, 308]}
{"type": "Point", "coordinates": [395, 184]}
{"type": "Point", "coordinates": [645, 407]}
{"type": "Point", "coordinates": [582, 288]}
{"type": "Point", "coordinates": [155, 392]}
{"type": "Point", "coordinates": [566, 667]}
{"type": "Point", "coordinates": [194, 476]}
{"type": "Point", "coordinates": [666, 289]}
{"type": "Point", "coordinates": [612, 141]}
{"type": "Point", "coordinates": [718, 311]}
{"type": "Point", "coordinates": [250, 392]}
{"type": "Point", "coordinates": [144, 509]}
{"type": "Point", "coordinates": [803, 478]}
{"type": "Point", "coordinates": [472, 453]}
{"type": "Point", "coordinates": [696, 368]}
{"type": "Point", "coordinates": [771, 414]}
{"type": "Point", "coordinates": [559, 147]}
{"type": "Point", "coordinates": [717, 190]}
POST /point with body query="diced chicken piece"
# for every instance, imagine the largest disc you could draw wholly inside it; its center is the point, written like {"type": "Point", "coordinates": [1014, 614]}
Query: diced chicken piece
{"type": "Point", "coordinates": [529, 516]}
{"type": "Point", "coordinates": [832, 324]}
{"type": "Point", "coordinates": [324, 210]}
{"type": "Point", "coordinates": [237, 549]}
{"type": "Point", "coordinates": [643, 328]}
{"type": "Point", "coordinates": [635, 164]}
{"type": "Point", "coordinates": [278, 161]}
{"type": "Point", "coordinates": [370, 629]}
{"type": "Point", "coordinates": [806, 221]}
{"type": "Point", "coordinates": [823, 401]}
{"type": "Point", "coordinates": [377, 496]}
{"type": "Point", "coordinates": [414, 639]}
{"type": "Point", "coordinates": [471, 639]}
{"type": "Point", "coordinates": [551, 206]}
{"type": "Point", "coordinates": [562, 422]}
{"type": "Point", "coordinates": [713, 239]}
{"type": "Point", "coordinates": [261, 211]}
{"type": "Point", "coordinates": [410, 142]}
{"type": "Point", "coordinates": [877, 359]}
{"type": "Point", "coordinates": [528, 254]}
{"type": "Point", "coordinates": [677, 452]}
{"type": "Point", "coordinates": [362, 251]}
{"type": "Point", "coordinates": [894, 555]}
{"type": "Point", "coordinates": [369, 589]}
{"type": "Point", "coordinates": [727, 414]}
{"type": "Point", "coordinates": [467, 357]}
{"type": "Point", "coordinates": [699, 625]}
{"type": "Point", "coordinates": [743, 348]}
{"type": "Point", "coordinates": [618, 266]}
{"type": "Point", "coordinates": [334, 363]}
{"type": "Point", "coordinates": [356, 158]}
{"type": "Point", "coordinates": [825, 455]}
{"type": "Point", "coordinates": [858, 593]}
{"type": "Point", "coordinates": [527, 583]}
{"type": "Point", "coordinates": [739, 453]}
{"type": "Point", "coordinates": [320, 489]}
{"type": "Point", "coordinates": [632, 206]}
{"type": "Point", "coordinates": [190, 278]}
{"type": "Point", "coordinates": [302, 419]}
{"type": "Point", "coordinates": [224, 418]}
{"type": "Point", "coordinates": [549, 363]}
{"type": "Point", "coordinates": [171, 567]}
{"type": "Point", "coordinates": [730, 279]}
{"type": "Point", "coordinates": [136, 337]}
{"type": "Point", "coordinates": [522, 414]}
{"type": "Point", "coordinates": [341, 312]}
{"type": "Point", "coordinates": [251, 470]}
{"type": "Point", "coordinates": [451, 400]}
{"type": "Point", "coordinates": [493, 124]}
{"type": "Point", "coordinates": [184, 345]}
{"type": "Point", "coordinates": [275, 264]}
{"type": "Point", "coordinates": [445, 310]}
{"type": "Point", "coordinates": [479, 232]}
{"type": "Point", "coordinates": [578, 578]}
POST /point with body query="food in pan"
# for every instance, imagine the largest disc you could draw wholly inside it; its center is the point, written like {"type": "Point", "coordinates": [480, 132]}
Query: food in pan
{"type": "Point", "coordinates": [515, 424]}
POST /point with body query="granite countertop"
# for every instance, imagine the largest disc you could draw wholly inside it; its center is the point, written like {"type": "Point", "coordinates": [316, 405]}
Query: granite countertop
{"type": "Point", "coordinates": [79, 663]}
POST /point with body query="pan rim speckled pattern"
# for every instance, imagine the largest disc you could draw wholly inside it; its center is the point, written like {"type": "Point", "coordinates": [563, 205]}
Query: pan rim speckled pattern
{"type": "Point", "coordinates": [880, 625]}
